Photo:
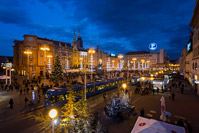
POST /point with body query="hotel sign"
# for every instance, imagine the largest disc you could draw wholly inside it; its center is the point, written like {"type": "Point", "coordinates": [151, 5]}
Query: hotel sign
{"type": "Point", "coordinates": [153, 46]}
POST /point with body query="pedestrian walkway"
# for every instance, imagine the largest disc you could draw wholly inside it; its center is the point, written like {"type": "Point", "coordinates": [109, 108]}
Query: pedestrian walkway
{"type": "Point", "coordinates": [185, 106]}
{"type": "Point", "coordinates": [7, 114]}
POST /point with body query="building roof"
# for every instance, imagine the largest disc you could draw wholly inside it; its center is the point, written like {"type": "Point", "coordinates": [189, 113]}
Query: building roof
{"type": "Point", "coordinates": [82, 49]}
{"type": "Point", "coordinates": [56, 42]}
{"type": "Point", "coordinates": [137, 52]}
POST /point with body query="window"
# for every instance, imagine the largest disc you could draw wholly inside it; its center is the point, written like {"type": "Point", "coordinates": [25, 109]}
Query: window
{"type": "Point", "coordinates": [196, 66]}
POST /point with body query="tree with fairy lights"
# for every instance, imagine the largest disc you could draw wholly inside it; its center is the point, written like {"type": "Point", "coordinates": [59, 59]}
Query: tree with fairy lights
{"type": "Point", "coordinates": [57, 70]}
{"type": "Point", "coordinates": [69, 111]}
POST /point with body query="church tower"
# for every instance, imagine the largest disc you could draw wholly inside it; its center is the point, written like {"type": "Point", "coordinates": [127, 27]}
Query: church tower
{"type": "Point", "coordinates": [74, 43]}
{"type": "Point", "coordinates": [79, 41]}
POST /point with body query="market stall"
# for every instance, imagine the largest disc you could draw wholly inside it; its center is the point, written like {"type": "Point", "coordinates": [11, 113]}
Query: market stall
{"type": "Point", "coordinates": [144, 125]}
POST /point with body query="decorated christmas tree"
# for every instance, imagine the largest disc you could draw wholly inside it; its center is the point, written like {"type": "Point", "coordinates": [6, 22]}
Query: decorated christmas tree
{"type": "Point", "coordinates": [57, 70]}
{"type": "Point", "coordinates": [68, 113]}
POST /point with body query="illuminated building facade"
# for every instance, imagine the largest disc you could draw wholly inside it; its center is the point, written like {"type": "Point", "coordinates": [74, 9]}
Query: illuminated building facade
{"type": "Point", "coordinates": [195, 40]}
{"type": "Point", "coordinates": [34, 62]}
{"type": "Point", "coordinates": [29, 59]}
{"type": "Point", "coordinates": [144, 60]}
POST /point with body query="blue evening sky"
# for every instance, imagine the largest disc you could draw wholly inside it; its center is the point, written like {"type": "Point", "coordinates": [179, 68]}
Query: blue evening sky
{"type": "Point", "coordinates": [118, 26]}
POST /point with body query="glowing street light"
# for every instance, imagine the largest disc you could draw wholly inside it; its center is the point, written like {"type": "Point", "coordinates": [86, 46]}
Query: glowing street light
{"type": "Point", "coordinates": [81, 59]}
{"type": "Point", "coordinates": [100, 61]}
{"type": "Point", "coordinates": [120, 56]}
{"type": "Point", "coordinates": [91, 51]}
{"type": "Point", "coordinates": [124, 86]}
{"type": "Point", "coordinates": [52, 114]}
{"type": "Point", "coordinates": [49, 62]}
{"type": "Point", "coordinates": [142, 63]}
{"type": "Point", "coordinates": [134, 59]}
{"type": "Point", "coordinates": [45, 49]}
{"type": "Point", "coordinates": [28, 53]}
{"type": "Point", "coordinates": [147, 63]}
{"type": "Point", "coordinates": [113, 61]}
{"type": "Point", "coordinates": [143, 78]}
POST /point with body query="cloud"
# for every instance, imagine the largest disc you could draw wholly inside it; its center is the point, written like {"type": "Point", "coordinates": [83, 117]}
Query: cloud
{"type": "Point", "coordinates": [120, 26]}
{"type": "Point", "coordinates": [11, 12]}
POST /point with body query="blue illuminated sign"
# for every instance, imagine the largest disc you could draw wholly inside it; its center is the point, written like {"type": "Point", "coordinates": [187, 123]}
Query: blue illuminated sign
{"type": "Point", "coordinates": [153, 46]}
{"type": "Point", "coordinates": [113, 55]}
{"type": "Point", "coordinates": [189, 46]}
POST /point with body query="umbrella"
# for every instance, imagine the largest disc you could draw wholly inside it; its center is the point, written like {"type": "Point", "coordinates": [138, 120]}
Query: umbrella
{"type": "Point", "coordinates": [163, 109]}
{"type": "Point", "coordinates": [144, 125]}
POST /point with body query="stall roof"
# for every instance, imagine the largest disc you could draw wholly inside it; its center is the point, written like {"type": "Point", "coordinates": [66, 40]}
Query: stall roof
{"type": "Point", "coordinates": [144, 125]}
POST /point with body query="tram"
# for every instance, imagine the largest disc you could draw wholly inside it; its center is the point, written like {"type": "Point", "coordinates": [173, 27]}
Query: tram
{"type": "Point", "coordinates": [58, 96]}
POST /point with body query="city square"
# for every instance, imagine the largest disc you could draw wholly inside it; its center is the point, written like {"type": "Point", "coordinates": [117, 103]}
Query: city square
{"type": "Point", "coordinates": [99, 66]}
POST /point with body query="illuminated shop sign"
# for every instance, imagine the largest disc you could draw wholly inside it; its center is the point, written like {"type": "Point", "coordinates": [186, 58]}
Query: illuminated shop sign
{"type": "Point", "coordinates": [113, 55]}
{"type": "Point", "coordinates": [83, 53]}
{"type": "Point", "coordinates": [153, 46]}
{"type": "Point", "coordinates": [189, 46]}
{"type": "Point", "coordinates": [157, 83]}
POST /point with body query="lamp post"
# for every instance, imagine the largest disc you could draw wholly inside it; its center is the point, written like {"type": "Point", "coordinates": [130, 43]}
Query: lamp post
{"type": "Point", "coordinates": [45, 49]}
{"type": "Point", "coordinates": [49, 61]}
{"type": "Point", "coordinates": [134, 59]}
{"type": "Point", "coordinates": [142, 64]}
{"type": "Point", "coordinates": [120, 56]}
{"type": "Point", "coordinates": [52, 114]}
{"type": "Point", "coordinates": [28, 53]}
{"type": "Point", "coordinates": [91, 52]}
{"type": "Point", "coordinates": [81, 59]}
{"type": "Point", "coordinates": [113, 64]}
{"type": "Point", "coordinates": [124, 86]}
{"type": "Point", "coordinates": [85, 78]}
{"type": "Point", "coordinates": [100, 61]}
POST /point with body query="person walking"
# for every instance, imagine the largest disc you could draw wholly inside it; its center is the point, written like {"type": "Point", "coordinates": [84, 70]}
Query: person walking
{"type": "Point", "coordinates": [104, 96]}
{"type": "Point", "coordinates": [153, 90]}
{"type": "Point", "coordinates": [27, 90]}
{"type": "Point", "coordinates": [11, 103]}
{"type": "Point", "coordinates": [173, 96]}
{"type": "Point", "coordinates": [20, 91]}
{"type": "Point", "coordinates": [26, 101]}
{"type": "Point", "coordinates": [142, 112]}
{"type": "Point", "coordinates": [39, 98]}
{"type": "Point", "coordinates": [157, 90]}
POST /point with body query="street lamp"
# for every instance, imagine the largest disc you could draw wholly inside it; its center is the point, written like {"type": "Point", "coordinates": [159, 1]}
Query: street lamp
{"type": "Point", "coordinates": [45, 49]}
{"type": "Point", "coordinates": [120, 56]}
{"type": "Point", "coordinates": [148, 63]}
{"type": "Point", "coordinates": [28, 53]}
{"type": "Point", "coordinates": [52, 114]}
{"type": "Point", "coordinates": [81, 59]}
{"type": "Point", "coordinates": [49, 62]}
{"type": "Point", "coordinates": [91, 51]}
{"type": "Point", "coordinates": [142, 63]}
{"type": "Point", "coordinates": [100, 61]}
{"type": "Point", "coordinates": [113, 64]}
{"type": "Point", "coordinates": [134, 59]}
{"type": "Point", "coordinates": [124, 85]}
{"type": "Point", "coordinates": [85, 77]}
